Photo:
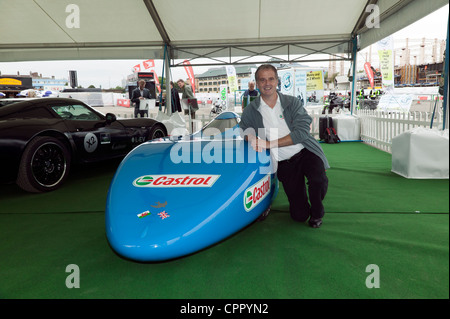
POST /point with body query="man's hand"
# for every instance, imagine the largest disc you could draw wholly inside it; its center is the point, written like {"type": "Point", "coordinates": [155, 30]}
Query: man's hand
{"type": "Point", "coordinates": [258, 144]}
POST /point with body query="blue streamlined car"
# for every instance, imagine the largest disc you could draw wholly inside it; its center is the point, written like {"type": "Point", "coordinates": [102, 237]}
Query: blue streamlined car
{"type": "Point", "coordinates": [174, 196]}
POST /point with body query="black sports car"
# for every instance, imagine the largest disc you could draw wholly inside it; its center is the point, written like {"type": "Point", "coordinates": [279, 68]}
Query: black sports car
{"type": "Point", "coordinates": [41, 138]}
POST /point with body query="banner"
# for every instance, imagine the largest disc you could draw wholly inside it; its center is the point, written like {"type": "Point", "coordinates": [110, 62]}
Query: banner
{"type": "Point", "coordinates": [223, 95]}
{"type": "Point", "coordinates": [314, 87]}
{"type": "Point", "coordinates": [287, 81]}
{"type": "Point", "coordinates": [232, 78]}
{"type": "Point", "coordinates": [386, 56]}
{"type": "Point", "coordinates": [300, 86]}
{"type": "Point", "coordinates": [148, 64]}
{"type": "Point", "coordinates": [369, 73]}
{"type": "Point", "coordinates": [137, 68]}
{"type": "Point", "coordinates": [190, 73]}
{"type": "Point", "coordinates": [158, 85]}
{"type": "Point", "coordinates": [314, 81]}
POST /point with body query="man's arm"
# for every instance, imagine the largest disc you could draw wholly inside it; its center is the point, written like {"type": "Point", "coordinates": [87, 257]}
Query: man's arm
{"type": "Point", "coordinates": [300, 124]}
{"type": "Point", "coordinates": [188, 92]}
{"type": "Point", "coordinates": [134, 99]}
{"type": "Point", "coordinates": [259, 144]}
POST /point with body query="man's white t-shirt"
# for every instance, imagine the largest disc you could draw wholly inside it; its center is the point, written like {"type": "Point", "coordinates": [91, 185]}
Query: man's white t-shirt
{"type": "Point", "coordinates": [275, 128]}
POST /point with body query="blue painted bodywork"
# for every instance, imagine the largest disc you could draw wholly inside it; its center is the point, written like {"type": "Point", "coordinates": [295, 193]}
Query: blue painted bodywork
{"type": "Point", "coordinates": [175, 196]}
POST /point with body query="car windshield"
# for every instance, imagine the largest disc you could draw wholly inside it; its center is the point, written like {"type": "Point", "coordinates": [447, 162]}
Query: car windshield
{"type": "Point", "coordinates": [218, 127]}
{"type": "Point", "coordinates": [75, 112]}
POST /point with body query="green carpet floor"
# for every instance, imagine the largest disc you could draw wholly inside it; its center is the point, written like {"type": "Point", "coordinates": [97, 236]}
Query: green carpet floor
{"type": "Point", "coordinates": [373, 217]}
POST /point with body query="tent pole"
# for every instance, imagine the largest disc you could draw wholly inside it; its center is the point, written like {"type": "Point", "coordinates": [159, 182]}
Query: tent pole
{"type": "Point", "coordinates": [168, 88]}
{"type": "Point", "coordinates": [162, 78]}
{"type": "Point", "coordinates": [354, 50]}
{"type": "Point", "coordinates": [445, 105]}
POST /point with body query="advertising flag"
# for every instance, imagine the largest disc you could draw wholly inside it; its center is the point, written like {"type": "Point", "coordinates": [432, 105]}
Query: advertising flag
{"type": "Point", "coordinates": [369, 73]}
{"type": "Point", "coordinates": [385, 53]}
{"type": "Point", "coordinates": [190, 73]}
{"type": "Point", "coordinates": [232, 78]}
{"type": "Point", "coordinates": [148, 64]}
{"type": "Point", "coordinates": [137, 68]}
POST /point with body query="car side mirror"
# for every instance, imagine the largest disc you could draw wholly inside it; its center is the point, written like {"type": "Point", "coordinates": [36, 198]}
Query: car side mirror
{"type": "Point", "coordinates": [110, 117]}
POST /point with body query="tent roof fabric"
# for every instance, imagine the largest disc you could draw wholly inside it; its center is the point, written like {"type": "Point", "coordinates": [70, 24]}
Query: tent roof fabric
{"type": "Point", "coordinates": [35, 30]}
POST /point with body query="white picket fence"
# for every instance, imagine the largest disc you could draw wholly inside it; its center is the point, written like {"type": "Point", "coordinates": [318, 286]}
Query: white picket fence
{"type": "Point", "coordinates": [378, 128]}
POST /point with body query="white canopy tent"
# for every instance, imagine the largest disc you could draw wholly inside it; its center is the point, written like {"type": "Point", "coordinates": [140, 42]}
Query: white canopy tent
{"type": "Point", "coordinates": [34, 30]}
{"type": "Point", "coordinates": [223, 31]}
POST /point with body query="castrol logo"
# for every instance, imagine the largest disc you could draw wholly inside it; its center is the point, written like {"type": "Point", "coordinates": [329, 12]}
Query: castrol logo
{"type": "Point", "coordinates": [256, 193]}
{"type": "Point", "coordinates": [199, 180]}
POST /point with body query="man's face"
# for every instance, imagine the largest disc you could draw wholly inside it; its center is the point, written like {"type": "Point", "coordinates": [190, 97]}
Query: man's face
{"type": "Point", "coordinates": [251, 86]}
{"type": "Point", "coordinates": [267, 82]}
{"type": "Point", "coordinates": [141, 85]}
{"type": "Point", "coordinates": [180, 84]}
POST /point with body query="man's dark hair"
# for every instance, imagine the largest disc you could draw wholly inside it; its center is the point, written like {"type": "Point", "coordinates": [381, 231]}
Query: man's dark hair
{"type": "Point", "coordinates": [266, 67]}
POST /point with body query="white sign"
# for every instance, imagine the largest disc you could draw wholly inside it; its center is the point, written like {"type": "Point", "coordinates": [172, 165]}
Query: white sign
{"type": "Point", "coordinates": [395, 102]}
{"type": "Point", "coordinates": [287, 81]}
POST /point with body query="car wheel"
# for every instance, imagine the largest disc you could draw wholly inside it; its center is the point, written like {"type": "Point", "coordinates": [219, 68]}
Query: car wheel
{"type": "Point", "coordinates": [157, 131]}
{"type": "Point", "coordinates": [44, 165]}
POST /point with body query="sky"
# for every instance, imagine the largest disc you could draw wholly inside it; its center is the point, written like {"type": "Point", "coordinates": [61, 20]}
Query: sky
{"type": "Point", "coordinates": [110, 73]}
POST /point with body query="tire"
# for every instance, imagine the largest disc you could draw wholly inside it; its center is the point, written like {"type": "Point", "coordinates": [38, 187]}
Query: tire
{"type": "Point", "coordinates": [44, 166]}
{"type": "Point", "coordinates": [157, 131]}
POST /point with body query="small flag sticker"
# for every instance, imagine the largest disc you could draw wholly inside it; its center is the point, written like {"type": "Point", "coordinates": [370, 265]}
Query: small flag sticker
{"type": "Point", "coordinates": [146, 213]}
{"type": "Point", "coordinates": [163, 215]}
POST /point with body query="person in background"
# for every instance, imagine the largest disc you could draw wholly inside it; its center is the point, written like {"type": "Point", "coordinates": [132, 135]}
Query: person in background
{"type": "Point", "coordinates": [176, 105]}
{"type": "Point", "coordinates": [251, 89]}
{"type": "Point", "coordinates": [138, 95]}
{"type": "Point", "coordinates": [248, 93]}
{"type": "Point", "coordinates": [187, 93]}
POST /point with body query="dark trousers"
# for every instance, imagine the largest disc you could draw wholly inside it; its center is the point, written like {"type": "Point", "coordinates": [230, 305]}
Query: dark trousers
{"type": "Point", "coordinates": [292, 173]}
{"type": "Point", "coordinates": [137, 112]}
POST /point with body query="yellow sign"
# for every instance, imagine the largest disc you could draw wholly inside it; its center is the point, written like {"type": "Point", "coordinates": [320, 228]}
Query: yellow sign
{"type": "Point", "coordinates": [314, 81]}
{"type": "Point", "coordinates": [9, 81]}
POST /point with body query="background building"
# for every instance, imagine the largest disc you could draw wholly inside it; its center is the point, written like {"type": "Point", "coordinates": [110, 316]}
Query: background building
{"type": "Point", "coordinates": [210, 81]}
{"type": "Point", "coordinates": [47, 83]}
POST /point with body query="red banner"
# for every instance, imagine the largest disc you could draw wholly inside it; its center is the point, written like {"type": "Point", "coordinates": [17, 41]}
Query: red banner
{"type": "Point", "coordinates": [137, 68]}
{"type": "Point", "coordinates": [148, 64]}
{"type": "Point", "coordinates": [158, 86]}
{"type": "Point", "coordinates": [369, 73]}
{"type": "Point", "coordinates": [190, 73]}
{"type": "Point", "coordinates": [123, 102]}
